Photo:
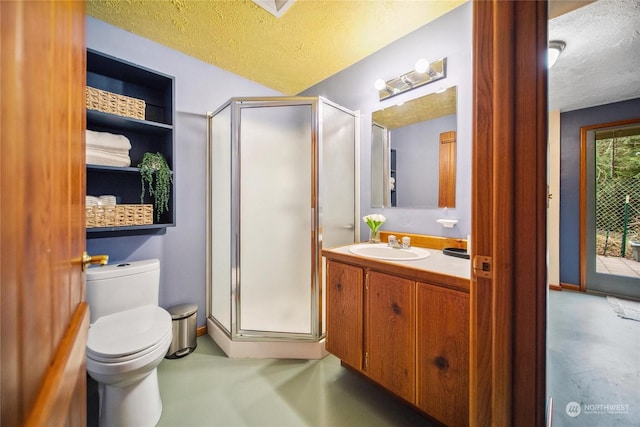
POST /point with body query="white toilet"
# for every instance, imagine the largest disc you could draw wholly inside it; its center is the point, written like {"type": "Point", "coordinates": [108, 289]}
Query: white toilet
{"type": "Point", "coordinates": [129, 336]}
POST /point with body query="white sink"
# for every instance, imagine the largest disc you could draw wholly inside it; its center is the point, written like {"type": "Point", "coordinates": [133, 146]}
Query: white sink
{"type": "Point", "coordinates": [382, 251]}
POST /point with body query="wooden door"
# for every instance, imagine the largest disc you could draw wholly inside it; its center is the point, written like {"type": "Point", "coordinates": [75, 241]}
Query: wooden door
{"type": "Point", "coordinates": [390, 333]}
{"type": "Point", "coordinates": [44, 319]}
{"type": "Point", "coordinates": [442, 348]}
{"type": "Point", "coordinates": [345, 287]}
{"type": "Point", "coordinates": [509, 195]}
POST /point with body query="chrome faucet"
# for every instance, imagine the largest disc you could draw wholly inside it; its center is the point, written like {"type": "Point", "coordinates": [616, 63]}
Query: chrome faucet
{"type": "Point", "coordinates": [393, 242]}
{"type": "Point", "coordinates": [406, 242]}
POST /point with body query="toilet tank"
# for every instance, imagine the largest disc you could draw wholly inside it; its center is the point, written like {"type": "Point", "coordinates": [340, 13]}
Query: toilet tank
{"type": "Point", "coordinates": [117, 287]}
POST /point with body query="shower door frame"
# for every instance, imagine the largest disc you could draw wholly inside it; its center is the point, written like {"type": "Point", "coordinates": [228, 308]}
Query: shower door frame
{"type": "Point", "coordinates": [316, 276]}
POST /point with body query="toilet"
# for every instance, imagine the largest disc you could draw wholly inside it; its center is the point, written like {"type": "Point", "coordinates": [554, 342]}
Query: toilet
{"type": "Point", "coordinates": [129, 335]}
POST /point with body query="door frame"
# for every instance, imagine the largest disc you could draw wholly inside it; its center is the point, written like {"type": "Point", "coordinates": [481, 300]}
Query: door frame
{"type": "Point", "coordinates": [584, 131]}
{"type": "Point", "coordinates": [509, 196]}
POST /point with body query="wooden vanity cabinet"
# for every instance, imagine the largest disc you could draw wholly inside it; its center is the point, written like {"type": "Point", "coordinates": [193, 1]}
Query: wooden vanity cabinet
{"type": "Point", "coordinates": [345, 290]}
{"type": "Point", "coordinates": [390, 333]}
{"type": "Point", "coordinates": [442, 347]}
{"type": "Point", "coordinates": [409, 336]}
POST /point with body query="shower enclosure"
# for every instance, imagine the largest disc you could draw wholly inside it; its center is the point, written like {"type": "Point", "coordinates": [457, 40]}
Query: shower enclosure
{"type": "Point", "coordinates": [282, 183]}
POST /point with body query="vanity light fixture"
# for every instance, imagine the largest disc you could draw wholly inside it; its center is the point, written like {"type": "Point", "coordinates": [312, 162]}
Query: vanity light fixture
{"type": "Point", "coordinates": [553, 51]}
{"type": "Point", "coordinates": [424, 72]}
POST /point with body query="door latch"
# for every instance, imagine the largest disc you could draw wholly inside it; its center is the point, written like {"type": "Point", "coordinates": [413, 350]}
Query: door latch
{"type": "Point", "coordinates": [482, 266]}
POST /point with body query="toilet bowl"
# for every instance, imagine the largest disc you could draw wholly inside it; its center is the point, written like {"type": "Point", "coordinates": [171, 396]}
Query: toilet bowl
{"type": "Point", "coordinates": [127, 341]}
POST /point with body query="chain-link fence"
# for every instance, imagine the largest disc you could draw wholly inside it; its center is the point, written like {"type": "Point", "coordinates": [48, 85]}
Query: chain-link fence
{"type": "Point", "coordinates": [614, 214]}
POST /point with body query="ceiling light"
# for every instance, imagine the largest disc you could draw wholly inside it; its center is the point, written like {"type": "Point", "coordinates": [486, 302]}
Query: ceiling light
{"type": "Point", "coordinates": [553, 51]}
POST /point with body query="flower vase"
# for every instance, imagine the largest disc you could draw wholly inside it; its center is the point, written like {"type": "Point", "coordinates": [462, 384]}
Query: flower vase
{"type": "Point", "coordinates": [374, 235]}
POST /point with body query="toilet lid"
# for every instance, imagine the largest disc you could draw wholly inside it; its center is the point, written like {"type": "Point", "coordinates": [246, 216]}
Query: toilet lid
{"type": "Point", "coordinates": [128, 332]}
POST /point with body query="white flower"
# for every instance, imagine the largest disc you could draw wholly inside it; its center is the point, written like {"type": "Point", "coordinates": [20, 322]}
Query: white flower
{"type": "Point", "coordinates": [374, 221]}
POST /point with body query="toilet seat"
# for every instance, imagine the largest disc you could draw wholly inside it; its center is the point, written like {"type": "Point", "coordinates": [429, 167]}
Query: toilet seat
{"type": "Point", "coordinates": [129, 334]}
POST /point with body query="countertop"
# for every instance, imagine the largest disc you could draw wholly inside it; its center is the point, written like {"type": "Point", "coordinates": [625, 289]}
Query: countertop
{"type": "Point", "coordinates": [437, 268]}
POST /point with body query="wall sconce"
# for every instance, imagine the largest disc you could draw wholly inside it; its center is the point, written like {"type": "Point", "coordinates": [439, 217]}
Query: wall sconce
{"type": "Point", "coordinates": [553, 51]}
{"type": "Point", "coordinates": [424, 72]}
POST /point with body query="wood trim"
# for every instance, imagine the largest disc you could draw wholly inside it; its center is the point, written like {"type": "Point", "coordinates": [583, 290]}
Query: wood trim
{"type": "Point", "coordinates": [583, 193]}
{"type": "Point", "coordinates": [555, 287]}
{"type": "Point", "coordinates": [425, 241]}
{"type": "Point", "coordinates": [571, 287]}
{"type": "Point", "coordinates": [508, 309]}
{"type": "Point", "coordinates": [480, 364]}
{"type": "Point", "coordinates": [66, 371]}
{"type": "Point", "coordinates": [447, 170]}
{"type": "Point", "coordinates": [202, 330]}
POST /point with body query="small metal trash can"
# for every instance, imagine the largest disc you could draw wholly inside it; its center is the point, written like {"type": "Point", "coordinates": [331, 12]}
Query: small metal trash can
{"type": "Point", "coordinates": [183, 318]}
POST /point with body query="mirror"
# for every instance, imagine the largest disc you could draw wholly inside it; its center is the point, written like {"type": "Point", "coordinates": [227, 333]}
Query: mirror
{"type": "Point", "coordinates": [413, 152]}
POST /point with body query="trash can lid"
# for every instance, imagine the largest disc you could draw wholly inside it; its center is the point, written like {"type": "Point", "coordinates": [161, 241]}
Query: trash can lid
{"type": "Point", "coordinates": [182, 310]}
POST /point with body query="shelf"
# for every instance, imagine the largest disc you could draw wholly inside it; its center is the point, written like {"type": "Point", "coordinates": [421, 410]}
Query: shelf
{"type": "Point", "coordinates": [99, 232]}
{"type": "Point", "coordinates": [126, 123]}
{"type": "Point", "coordinates": [154, 134]}
{"type": "Point", "coordinates": [112, 168]}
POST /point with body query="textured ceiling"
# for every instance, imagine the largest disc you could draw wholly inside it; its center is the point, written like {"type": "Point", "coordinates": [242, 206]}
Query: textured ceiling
{"type": "Point", "coordinates": [313, 40]}
{"type": "Point", "coordinates": [601, 62]}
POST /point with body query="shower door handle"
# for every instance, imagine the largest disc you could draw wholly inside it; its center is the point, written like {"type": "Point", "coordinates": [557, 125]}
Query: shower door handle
{"type": "Point", "coordinates": [349, 226]}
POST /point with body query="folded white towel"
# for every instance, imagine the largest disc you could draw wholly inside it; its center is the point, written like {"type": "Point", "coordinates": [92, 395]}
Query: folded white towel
{"type": "Point", "coordinates": [107, 199]}
{"type": "Point", "coordinates": [106, 140]}
{"type": "Point", "coordinates": [114, 151]}
{"type": "Point", "coordinates": [98, 157]}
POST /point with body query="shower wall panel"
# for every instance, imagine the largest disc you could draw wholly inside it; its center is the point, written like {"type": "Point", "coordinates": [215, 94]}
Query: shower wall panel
{"type": "Point", "coordinates": [220, 218]}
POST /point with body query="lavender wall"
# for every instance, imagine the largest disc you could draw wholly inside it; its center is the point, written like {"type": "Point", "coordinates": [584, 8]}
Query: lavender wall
{"type": "Point", "coordinates": [570, 124]}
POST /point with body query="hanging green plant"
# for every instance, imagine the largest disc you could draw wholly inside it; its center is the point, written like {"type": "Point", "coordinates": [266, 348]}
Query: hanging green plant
{"type": "Point", "coordinates": [155, 172]}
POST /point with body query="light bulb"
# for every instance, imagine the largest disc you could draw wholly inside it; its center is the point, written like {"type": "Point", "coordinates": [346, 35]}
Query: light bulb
{"type": "Point", "coordinates": [553, 51]}
{"type": "Point", "coordinates": [552, 56]}
{"type": "Point", "coordinates": [422, 66]}
{"type": "Point", "coordinates": [380, 84]}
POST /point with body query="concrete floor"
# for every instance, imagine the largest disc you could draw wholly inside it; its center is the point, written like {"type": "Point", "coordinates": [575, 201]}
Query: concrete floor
{"type": "Point", "coordinates": [593, 362]}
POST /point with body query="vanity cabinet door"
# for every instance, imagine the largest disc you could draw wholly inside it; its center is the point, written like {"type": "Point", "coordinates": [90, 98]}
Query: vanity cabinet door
{"type": "Point", "coordinates": [344, 312]}
{"type": "Point", "coordinates": [443, 354]}
{"type": "Point", "coordinates": [390, 333]}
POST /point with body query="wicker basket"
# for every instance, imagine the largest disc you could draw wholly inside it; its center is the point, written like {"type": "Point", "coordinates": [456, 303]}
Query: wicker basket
{"type": "Point", "coordinates": [112, 103]}
{"type": "Point", "coordinates": [119, 215]}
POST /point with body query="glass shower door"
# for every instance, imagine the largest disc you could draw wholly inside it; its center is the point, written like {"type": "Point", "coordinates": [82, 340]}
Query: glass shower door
{"type": "Point", "coordinates": [276, 219]}
{"type": "Point", "coordinates": [337, 177]}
